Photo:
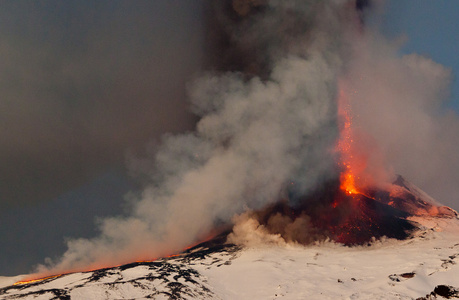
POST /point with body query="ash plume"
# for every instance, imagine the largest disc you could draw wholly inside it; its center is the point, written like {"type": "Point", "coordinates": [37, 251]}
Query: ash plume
{"type": "Point", "coordinates": [255, 136]}
{"type": "Point", "coordinates": [84, 82]}
{"type": "Point", "coordinates": [267, 125]}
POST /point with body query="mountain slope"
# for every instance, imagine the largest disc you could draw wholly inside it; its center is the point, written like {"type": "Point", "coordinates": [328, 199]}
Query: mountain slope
{"type": "Point", "coordinates": [420, 264]}
{"type": "Point", "coordinates": [387, 269]}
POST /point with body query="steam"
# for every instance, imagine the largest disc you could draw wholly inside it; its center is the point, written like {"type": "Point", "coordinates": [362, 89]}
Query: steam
{"type": "Point", "coordinates": [262, 136]}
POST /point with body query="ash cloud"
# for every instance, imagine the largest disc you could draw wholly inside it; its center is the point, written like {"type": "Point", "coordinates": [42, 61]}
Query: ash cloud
{"type": "Point", "coordinates": [268, 126]}
{"type": "Point", "coordinates": [255, 136]}
{"type": "Point", "coordinates": [83, 82]}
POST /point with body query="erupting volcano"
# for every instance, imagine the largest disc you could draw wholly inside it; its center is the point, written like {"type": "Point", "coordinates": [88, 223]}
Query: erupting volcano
{"type": "Point", "coordinates": [352, 208]}
{"type": "Point", "coordinates": [347, 160]}
{"type": "Point", "coordinates": [283, 170]}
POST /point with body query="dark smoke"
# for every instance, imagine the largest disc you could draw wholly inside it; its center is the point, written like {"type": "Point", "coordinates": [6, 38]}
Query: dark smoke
{"type": "Point", "coordinates": [84, 82]}
{"type": "Point", "coordinates": [361, 5]}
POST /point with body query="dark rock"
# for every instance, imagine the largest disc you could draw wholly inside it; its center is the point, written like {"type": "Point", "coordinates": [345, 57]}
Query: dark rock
{"type": "Point", "coordinates": [446, 291]}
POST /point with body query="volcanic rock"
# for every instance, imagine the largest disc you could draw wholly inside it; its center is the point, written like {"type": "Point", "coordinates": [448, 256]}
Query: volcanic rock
{"type": "Point", "coordinates": [397, 211]}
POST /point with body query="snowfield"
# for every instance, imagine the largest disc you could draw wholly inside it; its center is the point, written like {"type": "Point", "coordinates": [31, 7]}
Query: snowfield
{"type": "Point", "coordinates": [388, 269]}
{"type": "Point", "coordinates": [391, 270]}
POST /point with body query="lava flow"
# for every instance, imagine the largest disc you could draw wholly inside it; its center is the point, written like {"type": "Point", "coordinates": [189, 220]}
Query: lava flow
{"type": "Point", "coordinates": [29, 281]}
{"type": "Point", "coordinates": [35, 278]}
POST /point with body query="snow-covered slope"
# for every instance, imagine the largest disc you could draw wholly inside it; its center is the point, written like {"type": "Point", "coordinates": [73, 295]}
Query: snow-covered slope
{"type": "Point", "coordinates": [421, 264]}
{"type": "Point", "coordinates": [387, 269]}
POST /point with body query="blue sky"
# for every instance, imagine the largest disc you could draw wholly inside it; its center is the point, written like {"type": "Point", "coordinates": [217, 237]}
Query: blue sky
{"type": "Point", "coordinates": [431, 29]}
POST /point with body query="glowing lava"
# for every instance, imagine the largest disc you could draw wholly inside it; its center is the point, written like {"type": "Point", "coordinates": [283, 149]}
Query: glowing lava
{"type": "Point", "coordinates": [36, 280]}
{"type": "Point", "coordinates": [348, 160]}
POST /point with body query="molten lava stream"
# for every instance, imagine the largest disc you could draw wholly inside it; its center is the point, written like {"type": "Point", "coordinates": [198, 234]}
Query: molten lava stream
{"type": "Point", "coordinates": [28, 281]}
{"type": "Point", "coordinates": [33, 278]}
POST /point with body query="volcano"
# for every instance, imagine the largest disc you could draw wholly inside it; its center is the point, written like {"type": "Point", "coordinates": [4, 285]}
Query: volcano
{"type": "Point", "coordinates": [394, 243]}
{"type": "Point", "coordinates": [352, 219]}
{"type": "Point", "coordinates": [283, 145]}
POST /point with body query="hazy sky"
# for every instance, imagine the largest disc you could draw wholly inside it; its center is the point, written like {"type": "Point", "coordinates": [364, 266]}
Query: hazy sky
{"type": "Point", "coordinates": [84, 83]}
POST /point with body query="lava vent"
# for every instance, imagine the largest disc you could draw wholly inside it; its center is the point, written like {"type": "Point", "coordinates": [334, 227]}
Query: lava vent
{"type": "Point", "coordinates": [331, 213]}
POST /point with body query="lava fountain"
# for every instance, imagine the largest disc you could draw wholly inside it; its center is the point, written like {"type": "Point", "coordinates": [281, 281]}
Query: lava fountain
{"type": "Point", "coordinates": [355, 207]}
{"type": "Point", "coordinates": [345, 144]}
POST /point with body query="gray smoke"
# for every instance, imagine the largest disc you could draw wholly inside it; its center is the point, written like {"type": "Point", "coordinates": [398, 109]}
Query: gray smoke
{"type": "Point", "coordinates": [82, 82]}
{"type": "Point", "coordinates": [398, 101]}
{"type": "Point", "coordinates": [255, 136]}
{"type": "Point", "coordinates": [272, 126]}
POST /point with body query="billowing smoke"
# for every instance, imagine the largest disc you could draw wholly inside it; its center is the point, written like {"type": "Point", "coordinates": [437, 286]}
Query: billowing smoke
{"type": "Point", "coordinates": [268, 126]}
{"type": "Point", "coordinates": [255, 137]}
{"type": "Point", "coordinates": [261, 228]}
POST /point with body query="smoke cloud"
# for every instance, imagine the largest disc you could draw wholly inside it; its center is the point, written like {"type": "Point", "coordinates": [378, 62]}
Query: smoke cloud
{"type": "Point", "coordinates": [255, 136]}
{"type": "Point", "coordinates": [84, 82]}
{"type": "Point", "coordinates": [398, 102]}
{"type": "Point", "coordinates": [268, 126]}
{"type": "Point", "coordinates": [254, 229]}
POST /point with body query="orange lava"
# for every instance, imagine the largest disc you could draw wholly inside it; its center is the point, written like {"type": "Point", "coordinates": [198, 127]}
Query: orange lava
{"type": "Point", "coordinates": [349, 161]}
{"type": "Point", "coordinates": [36, 280]}
{"type": "Point", "coordinates": [43, 276]}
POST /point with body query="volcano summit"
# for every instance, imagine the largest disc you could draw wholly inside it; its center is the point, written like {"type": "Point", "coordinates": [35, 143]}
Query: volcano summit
{"type": "Point", "coordinates": [351, 219]}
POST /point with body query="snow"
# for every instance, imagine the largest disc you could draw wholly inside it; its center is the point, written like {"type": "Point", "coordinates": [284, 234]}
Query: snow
{"type": "Point", "coordinates": [387, 269]}
{"type": "Point", "coordinates": [9, 280]}
{"type": "Point", "coordinates": [330, 271]}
